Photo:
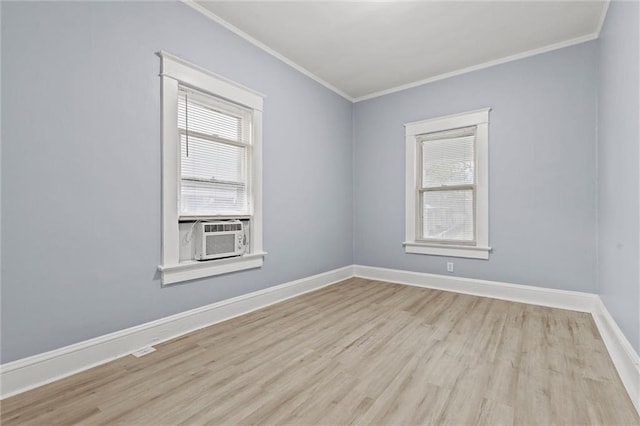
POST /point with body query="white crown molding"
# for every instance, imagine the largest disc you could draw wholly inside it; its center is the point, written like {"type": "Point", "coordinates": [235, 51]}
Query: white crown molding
{"type": "Point", "coordinates": [484, 65]}
{"type": "Point", "coordinates": [511, 58]}
{"type": "Point", "coordinates": [37, 370]}
{"type": "Point", "coordinates": [206, 12]}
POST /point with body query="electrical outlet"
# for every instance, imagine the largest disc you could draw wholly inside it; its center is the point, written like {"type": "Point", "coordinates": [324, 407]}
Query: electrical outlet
{"type": "Point", "coordinates": [449, 266]}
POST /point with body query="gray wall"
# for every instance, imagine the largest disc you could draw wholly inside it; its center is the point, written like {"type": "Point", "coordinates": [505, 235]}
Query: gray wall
{"type": "Point", "coordinates": [541, 171]}
{"type": "Point", "coordinates": [618, 164]}
{"type": "Point", "coordinates": [81, 168]}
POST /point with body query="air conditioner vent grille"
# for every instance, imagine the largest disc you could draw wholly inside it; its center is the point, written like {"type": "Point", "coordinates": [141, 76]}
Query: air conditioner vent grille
{"type": "Point", "coordinates": [215, 240]}
{"type": "Point", "coordinates": [223, 227]}
{"type": "Point", "coordinates": [217, 244]}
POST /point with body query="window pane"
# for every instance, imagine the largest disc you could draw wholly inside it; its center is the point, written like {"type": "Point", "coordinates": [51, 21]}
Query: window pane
{"type": "Point", "coordinates": [448, 215]}
{"type": "Point", "coordinates": [208, 160]}
{"type": "Point", "coordinates": [447, 162]}
{"type": "Point", "coordinates": [198, 116]}
{"type": "Point", "coordinates": [206, 198]}
{"type": "Point", "coordinates": [213, 178]}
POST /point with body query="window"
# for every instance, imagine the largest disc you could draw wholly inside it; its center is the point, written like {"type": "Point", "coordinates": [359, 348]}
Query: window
{"type": "Point", "coordinates": [211, 167]}
{"type": "Point", "coordinates": [215, 139]}
{"type": "Point", "coordinates": [447, 186]}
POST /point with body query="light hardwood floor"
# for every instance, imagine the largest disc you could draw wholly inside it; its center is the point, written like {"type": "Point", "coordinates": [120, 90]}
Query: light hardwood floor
{"type": "Point", "coordinates": [361, 352]}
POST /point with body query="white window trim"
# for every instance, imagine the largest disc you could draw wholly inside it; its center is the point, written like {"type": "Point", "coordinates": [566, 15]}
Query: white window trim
{"type": "Point", "coordinates": [173, 71]}
{"type": "Point", "coordinates": [480, 119]}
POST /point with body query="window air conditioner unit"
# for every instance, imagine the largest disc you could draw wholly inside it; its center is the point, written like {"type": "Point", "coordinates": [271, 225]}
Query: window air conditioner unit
{"type": "Point", "coordinates": [214, 240]}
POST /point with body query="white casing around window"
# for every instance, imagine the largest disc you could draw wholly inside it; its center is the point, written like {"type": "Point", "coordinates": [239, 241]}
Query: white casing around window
{"type": "Point", "coordinates": [479, 119]}
{"type": "Point", "coordinates": [173, 72]}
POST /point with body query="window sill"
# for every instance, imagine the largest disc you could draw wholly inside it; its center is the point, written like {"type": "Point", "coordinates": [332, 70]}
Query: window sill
{"type": "Point", "coordinates": [192, 269]}
{"type": "Point", "coordinates": [471, 252]}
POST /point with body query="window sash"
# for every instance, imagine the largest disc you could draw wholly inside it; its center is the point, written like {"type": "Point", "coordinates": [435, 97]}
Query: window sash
{"type": "Point", "coordinates": [215, 106]}
{"type": "Point", "coordinates": [210, 188]}
{"type": "Point", "coordinates": [212, 138]}
{"type": "Point", "coordinates": [241, 187]}
{"type": "Point", "coordinates": [420, 215]}
{"type": "Point", "coordinates": [421, 189]}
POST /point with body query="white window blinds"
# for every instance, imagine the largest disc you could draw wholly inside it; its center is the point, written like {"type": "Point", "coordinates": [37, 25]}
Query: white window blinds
{"type": "Point", "coordinates": [215, 152]}
{"type": "Point", "coordinates": [447, 186]}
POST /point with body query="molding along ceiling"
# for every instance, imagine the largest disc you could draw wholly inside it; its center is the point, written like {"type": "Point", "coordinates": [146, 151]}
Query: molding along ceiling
{"type": "Point", "coordinates": [362, 50]}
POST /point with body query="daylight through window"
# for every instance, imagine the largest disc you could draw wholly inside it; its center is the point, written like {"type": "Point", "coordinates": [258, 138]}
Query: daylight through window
{"type": "Point", "coordinates": [447, 202]}
{"type": "Point", "coordinates": [215, 144]}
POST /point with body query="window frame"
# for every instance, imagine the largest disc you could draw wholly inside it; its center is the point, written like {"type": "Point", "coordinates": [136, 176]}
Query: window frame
{"type": "Point", "coordinates": [174, 72]}
{"type": "Point", "coordinates": [414, 135]}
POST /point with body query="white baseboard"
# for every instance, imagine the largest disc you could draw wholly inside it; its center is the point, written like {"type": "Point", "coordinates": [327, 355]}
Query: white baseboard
{"type": "Point", "coordinates": [622, 353]}
{"type": "Point", "coordinates": [28, 373]}
{"type": "Point", "coordinates": [572, 300]}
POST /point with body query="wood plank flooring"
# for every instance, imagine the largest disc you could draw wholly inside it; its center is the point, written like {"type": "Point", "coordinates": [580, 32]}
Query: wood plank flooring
{"type": "Point", "coordinates": [358, 352]}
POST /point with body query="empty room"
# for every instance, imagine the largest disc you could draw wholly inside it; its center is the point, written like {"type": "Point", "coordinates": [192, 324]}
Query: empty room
{"type": "Point", "coordinates": [320, 212]}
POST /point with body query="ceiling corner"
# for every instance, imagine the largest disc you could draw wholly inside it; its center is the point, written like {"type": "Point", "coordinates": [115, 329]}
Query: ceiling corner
{"type": "Point", "coordinates": [206, 12]}
{"type": "Point", "coordinates": [605, 9]}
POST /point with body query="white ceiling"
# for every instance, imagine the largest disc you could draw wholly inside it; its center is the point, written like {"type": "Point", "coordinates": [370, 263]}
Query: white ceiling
{"type": "Point", "coordinates": [363, 49]}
